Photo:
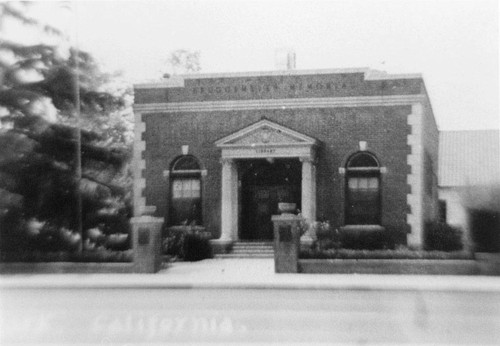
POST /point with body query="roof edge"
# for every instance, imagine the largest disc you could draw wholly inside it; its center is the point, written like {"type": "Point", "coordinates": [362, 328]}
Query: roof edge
{"type": "Point", "coordinates": [369, 74]}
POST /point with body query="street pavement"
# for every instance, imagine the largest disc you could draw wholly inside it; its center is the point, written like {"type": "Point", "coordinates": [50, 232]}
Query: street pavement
{"type": "Point", "coordinates": [248, 273]}
{"type": "Point", "coordinates": [243, 301]}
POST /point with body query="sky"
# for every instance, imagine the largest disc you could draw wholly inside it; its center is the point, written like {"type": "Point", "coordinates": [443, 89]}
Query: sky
{"type": "Point", "coordinates": [452, 43]}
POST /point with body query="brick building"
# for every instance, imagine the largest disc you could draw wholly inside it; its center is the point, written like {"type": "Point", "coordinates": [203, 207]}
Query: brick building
{"type": "Point", "coordinates": [356, 147]}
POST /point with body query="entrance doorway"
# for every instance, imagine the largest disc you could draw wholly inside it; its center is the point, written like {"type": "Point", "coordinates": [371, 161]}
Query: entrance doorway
{"type": "Point", "coordinates": [265, 183]}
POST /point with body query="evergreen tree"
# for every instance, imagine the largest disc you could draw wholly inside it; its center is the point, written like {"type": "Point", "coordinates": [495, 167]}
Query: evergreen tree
{"type": "Point", "coordinates": [64, 143]}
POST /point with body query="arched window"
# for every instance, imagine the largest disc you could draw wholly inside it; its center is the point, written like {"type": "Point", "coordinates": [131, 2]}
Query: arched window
{"type": "Point", "coordinates": [362, 190]}
{"type": "Point", "coordinates": [185, 192]}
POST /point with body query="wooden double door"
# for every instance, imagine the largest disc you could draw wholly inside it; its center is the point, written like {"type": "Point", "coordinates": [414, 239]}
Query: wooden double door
{"type": "Point", "coordinates": [263, 186]}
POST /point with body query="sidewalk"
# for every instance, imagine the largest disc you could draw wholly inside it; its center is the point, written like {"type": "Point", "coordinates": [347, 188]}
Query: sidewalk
{"type": "Point", "coordinates": [249, 273]}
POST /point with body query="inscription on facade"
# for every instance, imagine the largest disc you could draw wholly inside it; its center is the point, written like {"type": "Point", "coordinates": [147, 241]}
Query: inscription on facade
{"type": "Point", "coordinates": [265, 151]}
{"type": "Point", "coordinates": [267, 88]}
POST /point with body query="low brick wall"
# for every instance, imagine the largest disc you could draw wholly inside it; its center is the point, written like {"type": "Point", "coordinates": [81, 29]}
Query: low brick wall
{"type": "Point", "coordinates": [383, 266]}
{"type": "Point", "coordinates": [65, 267]}
{"type": "Point", "coordinates": [489, 263]}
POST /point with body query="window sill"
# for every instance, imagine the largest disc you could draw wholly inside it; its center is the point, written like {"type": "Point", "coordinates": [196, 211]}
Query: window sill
{"type": "Point", "coordinates": [362, 228]}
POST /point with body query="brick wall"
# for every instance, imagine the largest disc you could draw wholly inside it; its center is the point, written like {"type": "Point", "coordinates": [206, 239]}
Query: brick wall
{"type": "Point", "coordinates": [430, 140]}
{"type": "Point", "coordinates": [339, 130]}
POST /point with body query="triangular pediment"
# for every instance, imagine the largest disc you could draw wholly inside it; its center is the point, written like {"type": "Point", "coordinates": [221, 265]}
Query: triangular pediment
{"type": "Point", "coordinates": [267, 133]}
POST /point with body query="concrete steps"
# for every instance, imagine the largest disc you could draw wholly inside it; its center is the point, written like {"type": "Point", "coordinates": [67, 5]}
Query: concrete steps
{"type": "Point", "coordinates": [250, 250]}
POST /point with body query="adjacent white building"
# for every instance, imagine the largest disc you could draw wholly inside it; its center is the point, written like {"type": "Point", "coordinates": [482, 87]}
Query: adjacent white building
{"type": "Point", "coordinates": [469, 169]}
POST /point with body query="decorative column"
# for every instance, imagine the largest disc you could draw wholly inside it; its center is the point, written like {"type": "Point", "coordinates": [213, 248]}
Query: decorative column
{"type": "Point", "coordinates": [308, 195]}
{"type": "Point", "coordinates": [229, 211]}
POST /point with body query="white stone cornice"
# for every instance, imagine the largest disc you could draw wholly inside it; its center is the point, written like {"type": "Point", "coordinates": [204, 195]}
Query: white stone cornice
{"type": "Point", "coordinates": [369, 74]}
{"type": "Point", "coordinates": [172, 82]}
{"type": "Point", "coordinates": [382, 75]}
{"type": "Point", "coordinates": [317, 102]}
{"type": "Point", "coordinates": [271, 73]}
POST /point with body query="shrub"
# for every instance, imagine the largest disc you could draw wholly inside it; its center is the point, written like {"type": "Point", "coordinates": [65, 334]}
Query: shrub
{"type": "Point", "coordinates": [364, 240]}
{"type": "Point", "coordinates": [442, 237]}
{"type": "Point", "coordinates": [187, 244]}
{"type": "Point", "coordinates": [196, 248]}
{"type": "Point", "coordinates": [327, 236]}
{"type": "Point", "coordinates": [98, 255]}
{"type": "Point", "coordinates": [485, 230]}
{"type": "Point", "coordinates": [173, 244]}
{"type": "Point", "coordinates": [398, 254]}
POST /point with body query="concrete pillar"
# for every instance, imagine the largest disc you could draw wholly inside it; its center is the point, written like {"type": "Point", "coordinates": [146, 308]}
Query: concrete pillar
{"type": "Point", "coordinates": [147, 243]}
{"type": "Point", "coordinates": [286, 243]}
{"type": "Point", "coordinates": [308, 195]}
